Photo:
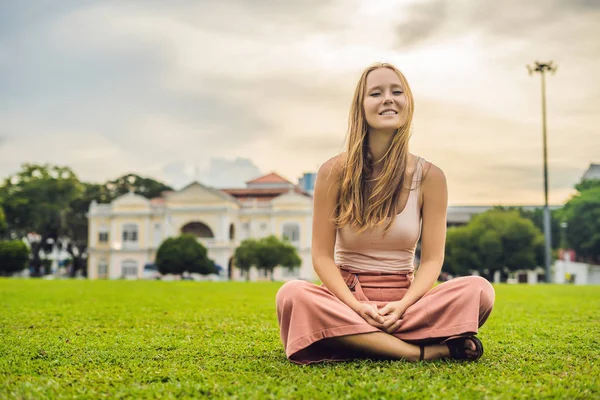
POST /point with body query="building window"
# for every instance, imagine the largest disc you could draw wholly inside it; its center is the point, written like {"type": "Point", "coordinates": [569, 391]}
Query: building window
{"type": "Point", "coordinates": [103, 236]}
{"type": "Point", "coordinates": [246, 226]}
{"type": "Point", "coordinates": [231, 231]}
{"type": "Point", "coordinates": [129, 269]}
{"type": "Point", "coordinates": [263, 226]}
{"type": "Point", "coordinates": [102, 269]}
{"type": "Point", "coordinates": [130, 233]}
{"type": "Point", "coordinates": [291, 232]}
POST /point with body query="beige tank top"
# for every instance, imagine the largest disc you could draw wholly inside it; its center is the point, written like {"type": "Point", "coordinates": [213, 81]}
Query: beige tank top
{"type": "Point", "coordinates": [394, 252]}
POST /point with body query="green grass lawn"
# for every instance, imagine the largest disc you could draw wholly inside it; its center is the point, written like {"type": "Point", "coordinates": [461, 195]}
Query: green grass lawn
{"type": "Point", "coordinates": [148, 339]}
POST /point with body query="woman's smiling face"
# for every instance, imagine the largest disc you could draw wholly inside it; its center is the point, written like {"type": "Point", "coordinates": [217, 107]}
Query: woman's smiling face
{"type": "Point", "coordinates": [384, 100]}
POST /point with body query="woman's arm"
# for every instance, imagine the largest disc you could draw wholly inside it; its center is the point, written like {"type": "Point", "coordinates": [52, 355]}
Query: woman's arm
{"type": "Point", "coordinates": [433, 235]}
{"type": "Point", "coordinates": [324, 230]}
{"type": "Point", "coordinates": [323, 244]}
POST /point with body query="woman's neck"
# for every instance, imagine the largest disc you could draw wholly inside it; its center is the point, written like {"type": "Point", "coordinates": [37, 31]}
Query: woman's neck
{"type": "Point", "coordinates": [379, 142]}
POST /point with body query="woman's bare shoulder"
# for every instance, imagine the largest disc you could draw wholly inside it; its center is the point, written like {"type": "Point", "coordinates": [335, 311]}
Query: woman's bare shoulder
{"type": "Point", "coordinates": [434, 178]}
{"type": "Point", "coordinates": [411, 163]}
{"type": "Point", "coordinates": [332, 168]}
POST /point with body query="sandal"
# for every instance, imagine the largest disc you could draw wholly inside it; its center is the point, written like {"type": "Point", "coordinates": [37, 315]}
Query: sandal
{"type": "Point", "coordinates": [457, 349]}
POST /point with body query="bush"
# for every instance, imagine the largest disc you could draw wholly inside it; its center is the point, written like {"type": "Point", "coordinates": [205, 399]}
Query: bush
{"type": "Point", "coordinates": [14, 255]}
{"type": "Point", "coordinates": [245, 255]}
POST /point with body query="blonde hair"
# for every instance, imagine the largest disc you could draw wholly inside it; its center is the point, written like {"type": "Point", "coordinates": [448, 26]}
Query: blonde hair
{"type": "Point", "coordinates": [358, 205]}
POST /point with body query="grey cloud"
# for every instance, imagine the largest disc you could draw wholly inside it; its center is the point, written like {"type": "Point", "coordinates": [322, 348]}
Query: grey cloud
{"type": "Point", "coordinates": [516, 17]}
{"type": "Point", "coordinates": [22, 16]}
{"type": "Point", "coordinates": [101, 92]}
{"type": "Point", "coordinates": [550, 28]}
{"type": "Point", "coordinates": [585, 4]}
{"type": "Point", "coordinates": [101, 89]}
{"type": "Point", "coordinates": [424, 20]}
{"type": "Point", "coordinates": [536, 22]}
{"type": "Point", "coordinates": [245, 19]}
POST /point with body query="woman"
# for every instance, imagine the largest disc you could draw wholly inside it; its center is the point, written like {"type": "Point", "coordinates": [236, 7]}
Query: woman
{"type": "Point", "coordinates": [371, 205]}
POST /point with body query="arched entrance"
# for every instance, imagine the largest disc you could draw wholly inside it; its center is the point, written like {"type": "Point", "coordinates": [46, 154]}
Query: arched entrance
{"type": "Point", "coordinates": [198, 229]}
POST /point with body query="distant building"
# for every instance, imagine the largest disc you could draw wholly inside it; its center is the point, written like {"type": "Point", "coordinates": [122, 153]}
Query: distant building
{"type": "Point", "coordinates": [567, 271]}
{"type": "Point", "coordinates": [307, 182]}
{"type": "Point", "coordinates": [124, 235]}
{"type": "Point", "coordinates": [593, 172]}
{"type": "Point", "coordinates": [461, 215]}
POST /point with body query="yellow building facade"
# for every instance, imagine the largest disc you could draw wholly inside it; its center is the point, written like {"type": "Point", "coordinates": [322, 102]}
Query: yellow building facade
{"type": "Point", "coordinates": [124, 235]}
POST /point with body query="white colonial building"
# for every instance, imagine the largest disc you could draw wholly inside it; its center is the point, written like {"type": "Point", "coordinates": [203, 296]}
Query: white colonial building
{"type": "Point", "coordinates": [125, 234]}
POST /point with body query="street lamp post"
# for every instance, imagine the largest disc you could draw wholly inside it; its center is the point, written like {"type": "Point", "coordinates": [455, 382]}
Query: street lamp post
{"type": "Point", "coordinates": [542, 67]}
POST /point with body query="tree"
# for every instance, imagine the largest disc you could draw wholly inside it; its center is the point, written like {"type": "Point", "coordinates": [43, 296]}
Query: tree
{"type": "Point", "coordinates": [147, 187]}
{"type": "Point", "coordinates": [266, 254]}
{"type": "Point", "coordinates": [36, 201]}
{"type": "Point", "coordinates": [2, 223]}
{"type": "Point", "coordinates": [245, 256]}
{"type": "Point", "coordinates": [43, 202]}
{"type": "Point", "coordinates": [582, 214]}
{"type": "Point", "coordinates": [587, 184]}
{"type": "Point", "coordinates": [537, 217]}
{"type": "Point", "coordinates": [14, 255]}
{"type": "Point", "coordinates": [290, 257]}
{"type": "Point", "coordinates": [496, 240]}
{"type": "Point", "coordinates": [272, 252]}
{"type": "Point", "coordinates": [183, 254]}
{"type": "Point", "coordinates": [461, 251]}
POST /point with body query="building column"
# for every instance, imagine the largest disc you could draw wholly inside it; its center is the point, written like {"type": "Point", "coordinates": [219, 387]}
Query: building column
{"type": "Point", "coordinates": [273, 227]}
{"type": "Point", "coordinates": [167, 224]}
{"type": "Point", "coordinates": [224, 234]}
{"type": "Point", "coordinates": [149, 239]}
{"type": "Point", "coordinates": [113, 235]}
{"type": "Point", "coordinates": [308, 232]}
{"type": "Point", "coordinates": [114, 268]}
{"type": "Point", "coordinates": [92, 267]}
{"type": "Point", "coordinates": [92, 233]}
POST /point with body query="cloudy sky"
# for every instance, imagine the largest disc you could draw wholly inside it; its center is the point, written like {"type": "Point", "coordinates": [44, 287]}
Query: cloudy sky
{"type": "Point", "coordinates": [227, 90]}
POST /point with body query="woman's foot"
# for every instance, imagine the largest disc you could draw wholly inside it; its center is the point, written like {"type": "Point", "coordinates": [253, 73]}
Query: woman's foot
{"type": "Point", "coordinates": [463, 348]}
{"type": "Point", "coordinates": [468, 348]}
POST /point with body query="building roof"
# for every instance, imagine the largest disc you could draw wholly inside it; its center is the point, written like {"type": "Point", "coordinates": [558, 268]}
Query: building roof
{"type": "Point", "coordinates": [593, 172]}
{"type": "Point", "coordinates": [269, 178]}
{"type": "Point", "coordinates": [157, 201]}
{"type": "Point", "coordinates": [262, 194]}
{"type": "Point", "coordinates": [217, 192]}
